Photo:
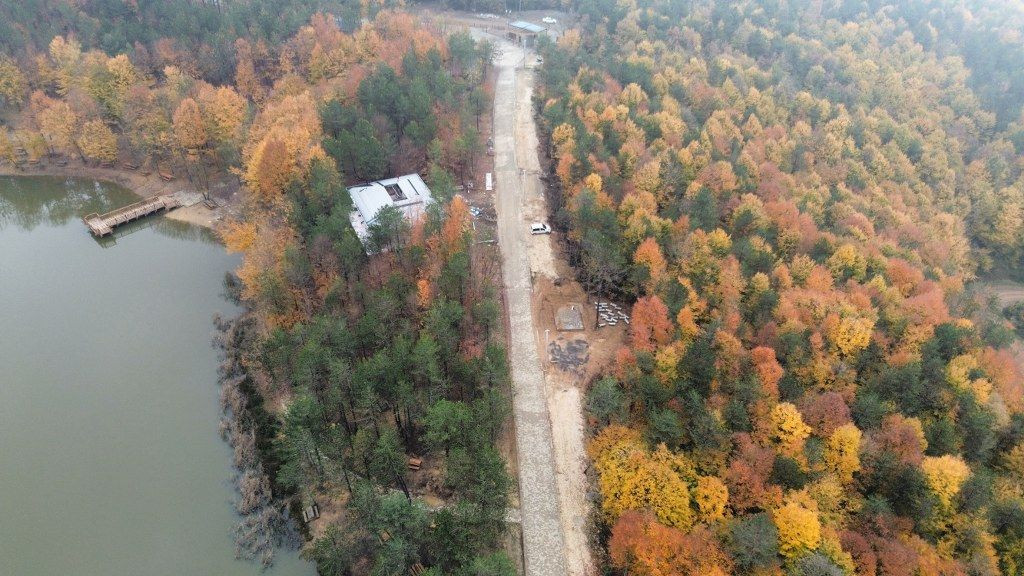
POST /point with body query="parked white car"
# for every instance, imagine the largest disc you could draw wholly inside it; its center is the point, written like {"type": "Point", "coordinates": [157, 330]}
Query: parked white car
{"type": "Point", "coordinates": [540, 228]}
{"type": "Point", "coordinates": [548, 20]}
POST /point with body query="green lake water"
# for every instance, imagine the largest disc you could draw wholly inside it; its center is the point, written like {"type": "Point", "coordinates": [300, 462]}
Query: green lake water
{"type": "Point", "coordinates": [110, 459]}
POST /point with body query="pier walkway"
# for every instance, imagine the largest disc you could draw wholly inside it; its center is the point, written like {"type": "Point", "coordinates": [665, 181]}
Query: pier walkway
{"type": "Point", "coordinates": [103, 224]}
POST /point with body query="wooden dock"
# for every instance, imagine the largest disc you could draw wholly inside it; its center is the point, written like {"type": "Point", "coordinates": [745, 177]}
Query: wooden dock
{"type": "Point", "coordinates": [103, 224]}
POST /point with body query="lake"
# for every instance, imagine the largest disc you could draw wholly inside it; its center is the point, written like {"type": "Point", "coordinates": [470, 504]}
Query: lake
{"type": "Point", "coordinates": [110, 458]}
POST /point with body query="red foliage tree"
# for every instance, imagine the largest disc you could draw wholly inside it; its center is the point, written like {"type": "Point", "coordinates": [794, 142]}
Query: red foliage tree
{"type": "Point", "coordinates": [650, 325]}
{"type": "Point", "coordinates": [646, 548]}
{"type": "Point", "coordinates": [768, 369]}
{"type": "Point", "coordinates": [895, 558]}
{"type": "Point", "coordinates": [903, 437]}
{"type": "Point", "coordinates": [824, 412]}
{"type": "Point", "coordinates": [861, 552]}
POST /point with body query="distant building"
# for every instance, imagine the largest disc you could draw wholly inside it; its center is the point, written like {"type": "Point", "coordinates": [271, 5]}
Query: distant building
{"type": "Point", "coordinates": [524, 33]}
{"type": "Point", "coordinates": [407, 193]}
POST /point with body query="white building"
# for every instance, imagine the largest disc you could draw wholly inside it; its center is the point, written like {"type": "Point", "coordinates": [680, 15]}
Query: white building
{"type": "Point", "coordinates": [407, 193]}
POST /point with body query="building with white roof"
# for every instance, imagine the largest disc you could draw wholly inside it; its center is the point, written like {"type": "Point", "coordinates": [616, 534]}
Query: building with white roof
{"type": "Point", "coordinates": [524, 33]}
{"type": "Point", "coordinates": [407, 193]}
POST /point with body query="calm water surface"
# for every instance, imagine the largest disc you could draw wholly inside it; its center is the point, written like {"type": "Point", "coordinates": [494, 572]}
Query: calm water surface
{"type": "Point", "coordinates": [110, 462]}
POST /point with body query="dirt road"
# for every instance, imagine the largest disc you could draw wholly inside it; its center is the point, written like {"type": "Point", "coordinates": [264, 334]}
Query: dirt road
{"type": "Point", "coordinates": [548, 419]}
{"type": "Point", "coordinates": [543, 540]}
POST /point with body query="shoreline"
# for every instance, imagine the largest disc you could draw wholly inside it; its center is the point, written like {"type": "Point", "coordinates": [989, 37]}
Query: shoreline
{"type": "Point", "coordinates": [138, 184]}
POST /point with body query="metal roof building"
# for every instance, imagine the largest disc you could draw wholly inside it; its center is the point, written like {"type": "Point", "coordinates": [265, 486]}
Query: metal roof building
{"type": "Point", "coordinates": [407, 193]}
{"type": "Point", "coordinates": [527, 26]}
{"type": "Point", "coordinates": [523, 32]}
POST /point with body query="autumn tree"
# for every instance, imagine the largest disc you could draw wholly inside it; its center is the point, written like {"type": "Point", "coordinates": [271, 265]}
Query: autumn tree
{"type": "Point", "coordinates": [633, 479]}
{"type": "Point", "coordinates": [842, 451]}
{"type": "Point", "coordinates": [13, 84]}
{"type": "Point", "coordinates": [945, 476]}
{"type": "Point", "coordinates": [6, 147]}
{"type": "Point", "coordinates": [642, 546]}
{"type": "Point", "coordinates": [787, 429]}
{"type": "Point", "coordinates": [650, 324]}
{"type": "Point", "coordinates": [224, 114]}
{"type": "Point", "coordinates": [98, 142]}
{"type": "Point", "coordinates": [57, 122]}
{"type": "Point", "coordinates": [798, 527]}
{"type": "Point", "coordinates": [189, 129]}
{"type": "Point", "coordinates": [648, 256]}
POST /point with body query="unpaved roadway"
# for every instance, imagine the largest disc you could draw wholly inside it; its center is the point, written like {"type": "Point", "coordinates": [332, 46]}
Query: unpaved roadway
{"type": "Point", "coordinates": [551, 463]}
{"type": "Point", "coordinates": [543, 541]}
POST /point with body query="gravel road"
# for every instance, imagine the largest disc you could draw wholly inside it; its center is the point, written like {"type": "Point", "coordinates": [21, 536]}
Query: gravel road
{"type": "Point", "coordinates": [543, 540]}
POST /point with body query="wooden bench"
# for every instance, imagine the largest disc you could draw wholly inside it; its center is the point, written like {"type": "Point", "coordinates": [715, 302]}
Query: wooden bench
{"type": "Point", "coordinates": [415, 464]}
{"type": "Point", "coordinates": [166, 177]}
{"type": "Point", "coordinates": [130, 166]}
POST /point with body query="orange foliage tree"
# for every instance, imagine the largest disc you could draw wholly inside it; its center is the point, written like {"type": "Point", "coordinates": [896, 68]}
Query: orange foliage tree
{"type": "Point", "coordinates": [643, 547]}
{"type": "Point", "coordinates": [650, 324]}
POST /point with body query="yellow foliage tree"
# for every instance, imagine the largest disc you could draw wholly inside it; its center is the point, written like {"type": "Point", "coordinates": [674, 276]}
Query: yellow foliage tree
{"type": "Point", "coordinates": [633, 96]}
{"type": "Point", "coordinates": [263, 244]}
{"type": "Point", "coordinates": [224, 111]}
{"type": "Point", "coordinates": [123, 72]}
{"type": "Point", "coordinates": [189, 131]}
{"type": "Point", "coordinates": [630, 478]}
{"type": "Point", "coordinates": [291, 129]}
{"type": "Point", "coordinates": [271, 168]}
{"type": "Point", "coordinates": [711, 497]}
{"type": "Point", "coordinates": [842, 451]}
{"type": "Point", "coordinates": [594, 183]}
{"type": "Point", "coordinates": [799, 528]}
{"type": "Point", "coordinates": [787, 429]}
{"type": "Point", "coordinates": [850, 334]}
{"type": "Point", "coordinates": [66, 54]}
{"type": "Point", "coordinates": [239, 235]}
{"type": "Point", "coordinates": [847, 262]}
{"type": "Point", "coordinates": [58, 124]}
{"type": "Point", "coordinates": [98, 142]}
{"type": "Point", "coordinates": [647, 179]}
{"type": "Point", "coordinates": [122, 75]}
{"type": "Point", "coordinates": [33, 143]}
{"type": "Point", "coordinates": [666, 363]}
{"type": "Point", "coordinates": [688, 328]}
{"type": "Point", "coordinates": [13, 85]}
{"type": "Point", "coordinates": [945, 475]}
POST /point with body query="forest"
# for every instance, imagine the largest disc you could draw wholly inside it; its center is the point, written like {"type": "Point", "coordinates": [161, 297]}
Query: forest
{"type": "Point", "coordinates": [801, 200]}
{"type": "Point", "coordinates": [350, 360]}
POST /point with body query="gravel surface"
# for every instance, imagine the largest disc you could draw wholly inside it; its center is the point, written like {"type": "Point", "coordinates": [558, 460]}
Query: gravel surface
{"type": "Point", "coordinates": [543, 540]}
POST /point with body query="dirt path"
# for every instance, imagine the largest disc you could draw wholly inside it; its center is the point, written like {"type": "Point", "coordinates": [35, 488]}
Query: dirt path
{"type": "Point", "coordinates": [1008, 291]}
{"type": "Point", "coordinates": [549, 422]}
